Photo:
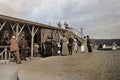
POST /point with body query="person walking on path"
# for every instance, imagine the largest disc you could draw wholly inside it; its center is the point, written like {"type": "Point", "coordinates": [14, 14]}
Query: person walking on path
{"type": "Point", "coordinates": [65, 46]}
{"type": "Point", "coordinates": [15, 49]}
{"type": "Point", "coordinates": [88, 44]}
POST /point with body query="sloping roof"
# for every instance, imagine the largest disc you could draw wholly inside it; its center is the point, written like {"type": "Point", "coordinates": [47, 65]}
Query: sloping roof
{"type": "Point", "coordinates": [71, 34]}
{"type": "Point", "coordinates": [8, 18]}
{"type": "Point", "coordinates": [79, 38]}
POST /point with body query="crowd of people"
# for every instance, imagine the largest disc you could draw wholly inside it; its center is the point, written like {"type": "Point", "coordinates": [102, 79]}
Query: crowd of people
{"type": "Point", "coordinates": [66, 46]}
{"type": "Point", "coordinates": [20, 49]}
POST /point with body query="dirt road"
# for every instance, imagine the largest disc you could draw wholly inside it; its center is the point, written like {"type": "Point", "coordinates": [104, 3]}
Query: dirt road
{"type": "Point", "coordinates": [100, 65]}
{"type": "Point", "coordinates": [9, 71]}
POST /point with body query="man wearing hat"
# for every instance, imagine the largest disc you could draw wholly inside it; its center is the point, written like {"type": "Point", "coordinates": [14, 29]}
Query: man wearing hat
{"type": "Point", "coordinates": [15, 49]}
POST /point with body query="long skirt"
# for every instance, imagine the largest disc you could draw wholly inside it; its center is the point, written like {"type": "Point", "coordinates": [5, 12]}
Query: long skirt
{"type": "Point", "coordinates": [89, 48]}
{"type": "Point", "coordinates": [65, 49]}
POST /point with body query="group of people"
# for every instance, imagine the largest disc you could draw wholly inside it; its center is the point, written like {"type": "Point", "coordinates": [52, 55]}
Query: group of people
{"type": "Point", "coordinates": [16, 48]}
{"type": "Point", "coordinates": [71, 44]}
{"type": "Point", "coordinates": [104, 47]}
{"type": "Point", "coordinates": [21, 49]}
{"type": "Point", "coordinates": [86, 45]}
{"type": "Point", "coordinates": [63, 47]}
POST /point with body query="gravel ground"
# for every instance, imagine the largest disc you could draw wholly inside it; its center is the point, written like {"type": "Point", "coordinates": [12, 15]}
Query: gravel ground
{"type": "Point", "coordinates": [9, 71]}
{"type": "Point", "coordinates": [99, 65]}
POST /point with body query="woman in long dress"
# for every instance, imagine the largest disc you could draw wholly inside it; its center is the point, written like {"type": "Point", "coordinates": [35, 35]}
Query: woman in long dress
{"type": "Point", "coordinates": [75, 46]}
{"type": "Point", "coordinates": [88, 44]}
{"type": "Point", "coordinates": [85, 45]}
{"type": "Point", "coordinates": [65, 46]}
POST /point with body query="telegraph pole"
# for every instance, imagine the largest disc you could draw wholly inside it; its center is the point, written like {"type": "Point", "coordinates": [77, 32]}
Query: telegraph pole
{"type": "Point", "coordinates": [49, 23]}
{"type": "Point", "coordinates": [81, 32]}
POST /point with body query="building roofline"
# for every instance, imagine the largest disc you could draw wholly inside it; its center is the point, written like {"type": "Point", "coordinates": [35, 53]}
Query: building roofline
{"type": "Point", "coordinates": [9, 18]}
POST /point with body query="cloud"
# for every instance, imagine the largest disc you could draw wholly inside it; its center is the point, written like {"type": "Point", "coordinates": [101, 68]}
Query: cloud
{"type": "Point", "coordinates": [97, 17]}
{"type": "Point", "coordinates": [6, 10]}
{"type": "Point", "coordinates": [110, 31]}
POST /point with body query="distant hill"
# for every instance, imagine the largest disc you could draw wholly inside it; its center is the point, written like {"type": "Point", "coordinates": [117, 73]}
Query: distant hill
{"type": "Point", "coordinates": [106, 41]}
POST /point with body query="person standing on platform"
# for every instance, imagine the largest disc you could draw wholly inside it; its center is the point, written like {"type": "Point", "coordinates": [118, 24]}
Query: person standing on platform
{"type": "Point", "coordinates": [48, 47]}
{"type": "Point", "coordinates": [6, 42]}
{"type": "Point", "coordinates": [54, 48]}
{"type": "Point", "coordinates": [61, 45]}
{"type": "Point", "coordinates": [15, 49]}
{"type": "Point", "coordinates": [70, 45]}
{"type": "Point", "coordinates": [88, 44]}
{"type": "Point", "coordinates": [36, 50]}
{"type": "Point", "coordinates": [23, 46]}
{"type": "Point", "coordinates": [64, 46]}
{"type": "Point", "coordinates": [85, 45]}
{"type": "Point", "coordinates": [75, 46]}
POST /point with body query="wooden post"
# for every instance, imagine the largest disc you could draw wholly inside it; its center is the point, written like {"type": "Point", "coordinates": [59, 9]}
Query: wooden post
{"type": "Point", "coordinates": [32, 42]}
{"type": "Point", "coordinates": [17, 32]}
{"type": "Point", "coordinates": [5, 53]}
{"type": "Point", "coordinates": [52, 40]}
{"type": "Point", "coordinates": [2, 25]}
{"type": "Point", "coordinates": [33, 32]}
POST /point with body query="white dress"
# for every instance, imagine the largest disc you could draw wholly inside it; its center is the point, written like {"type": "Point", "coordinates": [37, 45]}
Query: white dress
{"type": "Point", "coordinates": [114, 48]}
{"type": "Point", "coordinates": [82, 48]}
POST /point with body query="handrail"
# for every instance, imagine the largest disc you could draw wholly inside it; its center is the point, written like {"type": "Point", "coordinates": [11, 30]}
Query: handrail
{"type": "Point", "coordinates": [5, 53]}
{"type": "Point", "coordinates": [4, 46]}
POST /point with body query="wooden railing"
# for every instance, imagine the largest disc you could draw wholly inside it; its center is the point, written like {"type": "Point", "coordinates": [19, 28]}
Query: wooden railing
{"type": "Point", "coordinates": [4, 54]}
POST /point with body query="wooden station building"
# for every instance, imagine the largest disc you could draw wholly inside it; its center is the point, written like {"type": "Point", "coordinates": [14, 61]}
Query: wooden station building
{"type": "Point", "coordinates": [34, 32]}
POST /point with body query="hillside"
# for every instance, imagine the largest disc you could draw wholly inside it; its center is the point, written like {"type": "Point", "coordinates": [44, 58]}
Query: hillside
{"type": "Point", "coordinates": [106, 41]}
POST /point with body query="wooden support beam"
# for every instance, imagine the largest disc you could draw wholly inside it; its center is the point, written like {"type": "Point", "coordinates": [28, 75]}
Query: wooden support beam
{"type": "Point", "coordinates": [29, 29]}
{"type": "Point", "coordinates": [21, 29]}
{"type": "Point", "coordinates": [13, 26]}
{"type": "Point", "coordinates": [32, 32]}
{"type": "Point", "coordinates": [5, 53]}
{"type": "Point", "coordinates": [17, 31]}
{"type": "Point", "coordinates": [32, 41]}
{"type": "Point", "coordinates": [2, 25]}
{"type": "Point", "coordinates": [36, 31]}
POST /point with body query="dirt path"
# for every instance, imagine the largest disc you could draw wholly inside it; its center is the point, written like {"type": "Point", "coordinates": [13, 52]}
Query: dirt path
{"type": "Point", "coordinates": [100, 65]}
{"type": "Point", "coordinates": [9, 71]}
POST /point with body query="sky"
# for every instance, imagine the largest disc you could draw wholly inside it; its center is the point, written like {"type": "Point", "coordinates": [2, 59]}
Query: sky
{"type": "Point", "coordinates": [100, 19]}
